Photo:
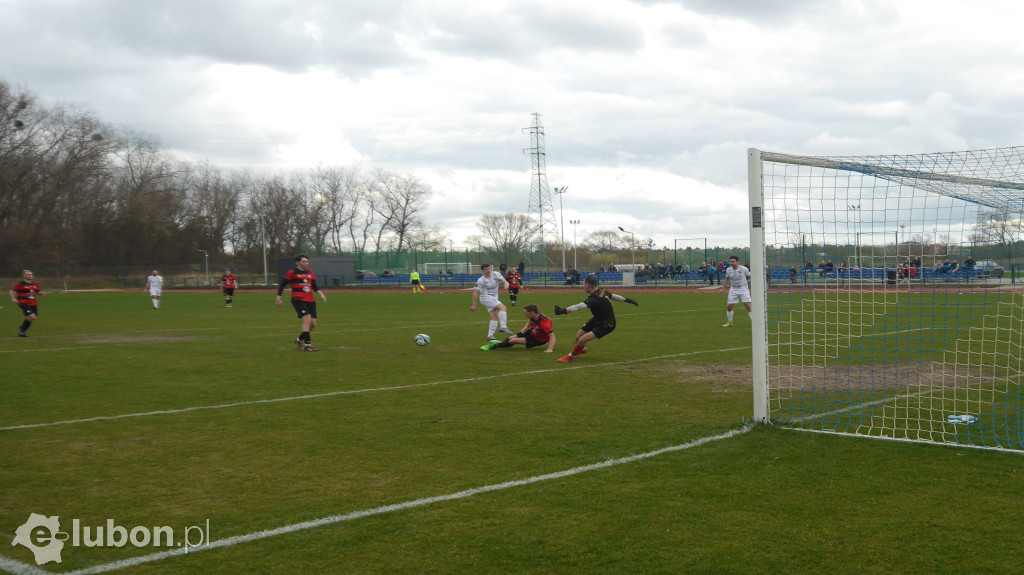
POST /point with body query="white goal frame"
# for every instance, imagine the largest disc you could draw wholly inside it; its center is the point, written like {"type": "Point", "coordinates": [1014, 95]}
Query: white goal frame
{"type": "Point", "coordinates": [961, 354]}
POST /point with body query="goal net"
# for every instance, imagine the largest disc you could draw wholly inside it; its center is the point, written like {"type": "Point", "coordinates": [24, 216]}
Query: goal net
{"type": "Point", "coordinates": [889, 296]}
{"type": "Point", "coordinates": [432, 269]}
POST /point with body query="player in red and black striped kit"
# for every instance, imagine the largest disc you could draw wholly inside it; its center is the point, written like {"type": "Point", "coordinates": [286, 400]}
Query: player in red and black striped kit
{"type": "Point", "coordinates": [228, 282]}
{"type": "Point", "coordinates": [537, 331]}
{"type": "Point", "coordinates": [514, 280]}
{"type": "Point", "coordinates": [303, 284]}
{"type": "Point", "coordinates": [24, 294]}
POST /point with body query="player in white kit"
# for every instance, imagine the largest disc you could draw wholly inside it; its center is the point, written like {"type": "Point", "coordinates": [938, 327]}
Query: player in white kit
{"type": "Point", "coordinates": [486, 290]}
{"type": "Point", "coordinates": [737, 279]}
{"type": "Point", "coordinates": [155, 285]}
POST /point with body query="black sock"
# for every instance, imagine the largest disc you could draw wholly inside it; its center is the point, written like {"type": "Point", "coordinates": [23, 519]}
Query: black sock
{"type": "Point", "coordinates": [504, 344]}
{"type": "Point", "coordinates": [25, 325]}
{"type": "Point", "coordinates": [305, 337]}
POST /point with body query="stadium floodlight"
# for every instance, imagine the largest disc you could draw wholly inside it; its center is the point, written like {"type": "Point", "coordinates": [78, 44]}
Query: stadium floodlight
{"type": "Point", "coordinates": [632, 245]}
{"type": "Point", "coordinates": [206, 256]}
{"type": "Point", "coordinates": [930, 352]}
{"type": "Point", "coordinates": [561, 221]}
{"type": "Point", "coordinates": [575, 265]}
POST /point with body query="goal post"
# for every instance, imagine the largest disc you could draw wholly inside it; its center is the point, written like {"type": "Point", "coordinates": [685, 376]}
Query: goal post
{"type": "Point", "coordinates": [887, 300]}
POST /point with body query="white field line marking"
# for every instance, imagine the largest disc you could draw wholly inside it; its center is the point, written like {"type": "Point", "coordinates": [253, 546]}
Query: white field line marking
{"type": "Point", "coordinates": [333, 519]}
{"type": "Point", "coordinates": [19, 568]}
{"type": "Point", "coordinates": [385, 327]}
{"type": "Point", "coordinates": [355, 391]}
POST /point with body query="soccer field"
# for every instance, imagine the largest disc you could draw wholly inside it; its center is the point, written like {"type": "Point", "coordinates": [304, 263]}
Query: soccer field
{"type": "Point", "coordinates": [375, 455]}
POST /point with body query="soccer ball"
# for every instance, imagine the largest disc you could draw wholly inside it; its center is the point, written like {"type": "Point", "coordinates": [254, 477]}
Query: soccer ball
{"type": "Point", "coordinates": [422, 339]}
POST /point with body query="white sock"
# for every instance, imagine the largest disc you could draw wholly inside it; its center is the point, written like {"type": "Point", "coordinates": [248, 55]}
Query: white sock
{"type": "Point", "coordinates": [750, 314]}
{"type": "Point", "coordinates": [503, 319]}
{"type": "Point", "coordinates": [728, 314]}
{"type": "Point", "coordinates": [493, 325]}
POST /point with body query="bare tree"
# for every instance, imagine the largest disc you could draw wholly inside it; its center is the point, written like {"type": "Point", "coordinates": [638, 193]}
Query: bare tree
{"type": "Point", "coordinates": [365, 223]}
{"type": "Point", "coordinates": [330, 195]}
{"type": "Point", "coordinates": [997, 228]}
{"type": "Point", "coordinates": [212, 202]}
{"type": "Point", "coordinates": [401, 201]}
{"type": "Point", "coordinates": [606, 241]}
{"type": "Point", "coordinates": [272, 211]}
{"type": "Point", "coordinates": [149, 204]}
{"type": "Point", "coordinates": [510, 233]}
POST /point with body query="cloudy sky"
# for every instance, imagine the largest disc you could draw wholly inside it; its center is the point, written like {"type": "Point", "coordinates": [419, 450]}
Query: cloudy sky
{"type": "Point", "coordinates": [648, 106]}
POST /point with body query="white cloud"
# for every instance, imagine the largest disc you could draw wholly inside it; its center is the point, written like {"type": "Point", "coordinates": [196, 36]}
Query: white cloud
{"type": "Point", "coordinates": [648, 106]}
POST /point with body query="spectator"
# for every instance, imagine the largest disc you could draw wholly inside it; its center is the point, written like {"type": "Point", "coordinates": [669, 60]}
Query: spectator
{"type": "Point", "coordinates": [572, 277]}
{"type": "Point", "coordinates": [792, 275]}
{"type": "Point", "coordinates": [503, 268]}
{"type": "Point", "coordinates": [969, 263]}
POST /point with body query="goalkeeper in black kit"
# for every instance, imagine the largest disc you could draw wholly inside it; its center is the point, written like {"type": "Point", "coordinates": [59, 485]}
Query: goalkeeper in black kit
{"type": "Point", "coordinates": [599, 302]}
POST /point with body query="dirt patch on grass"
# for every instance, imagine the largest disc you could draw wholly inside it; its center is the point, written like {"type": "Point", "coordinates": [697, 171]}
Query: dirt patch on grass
{"type": "Point", "coordinates": [897, 377]}
{"type": "Point", "coordinates": [726, 377]}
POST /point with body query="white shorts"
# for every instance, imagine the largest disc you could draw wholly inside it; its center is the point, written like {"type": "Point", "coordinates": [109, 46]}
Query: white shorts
{"type": "Point", "coordinates": [739, 296]}
{"type": "Point", "coordinates": [154, 292]}
{"type": "Point", "coordinates": [489, 302]}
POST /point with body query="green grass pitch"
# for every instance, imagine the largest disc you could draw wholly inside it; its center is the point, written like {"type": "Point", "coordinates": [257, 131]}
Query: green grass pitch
{"type": "Point", "coordinates": [256, 436]}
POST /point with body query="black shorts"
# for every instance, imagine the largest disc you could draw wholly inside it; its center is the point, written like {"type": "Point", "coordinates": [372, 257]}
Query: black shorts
{"type": "Point", "coordinates": [229, 291]}
{"type": "Point", "coordinates": [415, 282]}
{"type": "Point", "coordinates": [597, 329]}
{"type": "Point", "coordinates": [28, 310]}
{"type": "Point", "coordinates": [532, 341]}
{"type": "Point", "coordinates": [513, 290]}
{"type": "Point", "coordinates": [304, 308]}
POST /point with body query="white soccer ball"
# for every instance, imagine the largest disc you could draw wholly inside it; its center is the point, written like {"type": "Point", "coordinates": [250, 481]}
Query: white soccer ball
{"type": "Point", "coordinates": [422, 339]}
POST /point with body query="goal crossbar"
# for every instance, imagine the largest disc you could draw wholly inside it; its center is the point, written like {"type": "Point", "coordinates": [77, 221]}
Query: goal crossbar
{"type": "Point", "coordinates": [995, 193]}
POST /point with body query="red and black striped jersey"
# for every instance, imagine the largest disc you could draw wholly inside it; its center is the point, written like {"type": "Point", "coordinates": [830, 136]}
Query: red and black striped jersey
{"type": "Point", "coordinates": [229, 281]}
{"type": "Point", "coordinates": [513, 280]}
{"type": "Point", "coordinates": [541, 328]}
{"type": "Point", "coordinates": [26, 292]}
{"type": "Point", "coordinates": [303, 284]}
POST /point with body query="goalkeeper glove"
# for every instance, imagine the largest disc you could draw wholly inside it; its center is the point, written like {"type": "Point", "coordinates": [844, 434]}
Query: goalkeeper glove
{"type": "Point", "coordinates": [632, 301]}
{"type": "Point", "coordinates": [560, 310]}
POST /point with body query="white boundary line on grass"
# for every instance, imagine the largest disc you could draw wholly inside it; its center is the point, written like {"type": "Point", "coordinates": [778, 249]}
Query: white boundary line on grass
{"type": "Point", "coordinates": [411, 325]}
{"type": "Point", "coordinates": [355, 391]}
{"type": "Point", "coordinates": [18, 568]}
{"type": "Point", "coordinates": [333, 519]}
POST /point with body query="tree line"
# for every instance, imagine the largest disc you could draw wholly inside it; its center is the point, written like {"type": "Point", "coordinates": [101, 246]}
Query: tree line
{"type": "Point", "coordinates": [77, 192]}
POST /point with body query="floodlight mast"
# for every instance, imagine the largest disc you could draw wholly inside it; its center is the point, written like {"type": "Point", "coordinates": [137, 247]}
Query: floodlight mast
{"type": "Point", "coordinates": [561, 218]}
{"type": "Point", "coordinates": [632, 245]}
{"type": "Point", "coordinates": [575, 265]}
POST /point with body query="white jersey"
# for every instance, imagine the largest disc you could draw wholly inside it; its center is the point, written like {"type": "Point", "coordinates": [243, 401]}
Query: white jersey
{"type": "Point", "coordinates": [155, 283]}
{"type": "Point", "coordinates": [738, 278]}
{"type": "Point", "coordinates": [488, 288]}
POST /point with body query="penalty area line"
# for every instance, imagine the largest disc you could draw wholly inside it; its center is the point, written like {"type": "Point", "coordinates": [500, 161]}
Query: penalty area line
{"type": "Point", "coordinates": [16, 567]}
{"type": "Point", "coordinates": [353, 391]}
{"type": "Point", "coordinates": [334, 519]}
